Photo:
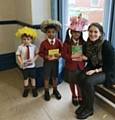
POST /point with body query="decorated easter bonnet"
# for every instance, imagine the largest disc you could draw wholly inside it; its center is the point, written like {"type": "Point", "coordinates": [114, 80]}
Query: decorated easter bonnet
{"type": "Point", "coordinates": [77, 23]}
{"type": "Point", "coordinates": [48, 23]}
{"type": "Point", "coordinates": [28, 31]}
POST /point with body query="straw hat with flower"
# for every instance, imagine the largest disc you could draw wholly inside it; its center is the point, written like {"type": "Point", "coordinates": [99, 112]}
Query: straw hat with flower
{"type": "Point", "coordinates": [50, 22]}
{"type": "Point", "coordinates": [28, 31]}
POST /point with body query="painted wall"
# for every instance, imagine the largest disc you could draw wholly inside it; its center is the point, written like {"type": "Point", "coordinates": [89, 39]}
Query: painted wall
{"type": "Point", "coordinates": [7, 10]}
{"type": "Point", "coordinates": [23, 11]}
{"type": "Point", "coordinates": [32, 12]}
{"type": "Point", "coordinates": [7, 38]}
{"type": "Point", "coordinates": [40, 10]}
{"type": "Point", "coordinates": [37, 11]}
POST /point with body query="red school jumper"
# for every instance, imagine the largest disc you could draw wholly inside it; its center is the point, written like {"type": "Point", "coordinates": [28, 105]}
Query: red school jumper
{"type": "Point", "coordinates": [46, 46]}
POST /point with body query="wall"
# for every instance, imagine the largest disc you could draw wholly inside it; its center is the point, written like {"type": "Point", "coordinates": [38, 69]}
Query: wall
{"type": "Point", "coordinates": [23, 11]}
{"type": "Point", "coordinates": [15, 14]}
{"type": "Point", "coordinates": [7, 13]}
{"type": "Point", "coordinates": [7, 10]}
{"type": "Point", "coordinates": [40, 10]}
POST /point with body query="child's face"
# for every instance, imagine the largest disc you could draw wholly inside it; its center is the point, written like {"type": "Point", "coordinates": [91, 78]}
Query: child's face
{"type": "Point", "coordinates": [51, 32]}
{"type": "Point", "coordinates": [75, 34]}
{"type": "Point", "coordinates": [26, 40]}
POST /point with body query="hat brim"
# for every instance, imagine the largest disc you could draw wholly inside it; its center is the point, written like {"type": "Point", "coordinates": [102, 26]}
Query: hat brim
{"type": "Point", "coordinates": [75, 28]}
{"type": "Point", "coordinates": [50, 22]}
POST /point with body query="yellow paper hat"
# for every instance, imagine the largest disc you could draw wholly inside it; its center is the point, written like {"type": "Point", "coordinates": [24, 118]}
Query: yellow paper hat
{"type": "Point", "coordinates": [28, 31]}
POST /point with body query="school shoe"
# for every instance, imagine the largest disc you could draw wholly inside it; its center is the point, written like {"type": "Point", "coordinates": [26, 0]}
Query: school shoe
{"type": "Point", "coordinates": [85, 114]}
{"type": "Point", "coordinates": [79, 109]}
{"type": "Point", "coordinates": [74, 101]}
{"type": "Point", "coordinates": [25, 92]}
{"type": "Point", "coordinates": [57, 94]}
{"type": "Point", "coordinates": [34, 92]}
{"type": "Point", "coordinates": [46, 96]}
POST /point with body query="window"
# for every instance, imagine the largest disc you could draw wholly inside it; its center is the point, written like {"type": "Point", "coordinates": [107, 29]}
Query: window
{"type": "Point", "coordinates": [91, 10]}
{"type": "Point", "coordinates": [95, 3]}
{"type": "Point", "coordinates": [72, 1]}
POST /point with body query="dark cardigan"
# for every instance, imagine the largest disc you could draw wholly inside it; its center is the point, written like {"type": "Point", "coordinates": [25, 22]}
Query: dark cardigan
{"type": "Point", "coordinates": [108, 59]}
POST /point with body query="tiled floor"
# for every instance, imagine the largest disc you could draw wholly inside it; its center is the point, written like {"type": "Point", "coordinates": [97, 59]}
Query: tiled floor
{"type": "Point", "coordinates": [14, 107]}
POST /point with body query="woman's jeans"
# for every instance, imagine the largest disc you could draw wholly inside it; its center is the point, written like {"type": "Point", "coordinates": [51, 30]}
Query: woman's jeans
{"type": "Point", "coordinates": [86, 84]}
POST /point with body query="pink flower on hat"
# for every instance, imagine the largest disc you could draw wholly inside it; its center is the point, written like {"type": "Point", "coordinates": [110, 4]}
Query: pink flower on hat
{"type": "Point", "coordinates": [78, 23]}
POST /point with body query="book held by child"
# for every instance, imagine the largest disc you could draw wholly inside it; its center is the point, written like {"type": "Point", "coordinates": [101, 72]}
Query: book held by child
{"type": "Point", "coordinates": [53, 52]}
{"type": "Point", "coordinates": [76, 48]}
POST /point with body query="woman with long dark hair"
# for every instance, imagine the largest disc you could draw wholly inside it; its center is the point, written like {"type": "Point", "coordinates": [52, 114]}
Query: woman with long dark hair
{"type": "Point", "coordinates": [99, 70]}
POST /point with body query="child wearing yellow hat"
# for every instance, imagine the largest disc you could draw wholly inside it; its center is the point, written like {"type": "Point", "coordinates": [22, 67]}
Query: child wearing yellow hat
{"type": "Point", "coordinates": [26, 54]}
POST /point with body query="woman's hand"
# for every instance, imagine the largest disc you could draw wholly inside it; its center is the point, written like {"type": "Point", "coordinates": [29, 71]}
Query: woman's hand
{"type": "Point", "coordinates": [90, 72]}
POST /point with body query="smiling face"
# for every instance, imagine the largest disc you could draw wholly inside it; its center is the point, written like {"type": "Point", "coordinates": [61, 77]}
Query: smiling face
{"type": "Point", "coordinates": [75, 34]}
{"type": "Point", "coordinates": [95, 31]}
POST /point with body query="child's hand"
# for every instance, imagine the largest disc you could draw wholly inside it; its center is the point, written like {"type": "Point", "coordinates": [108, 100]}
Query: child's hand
{"type": "Point", "coordinates": [49, 57]}
{"type": "Point", "coordinates": [76, 55]}
{"type": "Point", "coordinates": [79, 58]}
{"type": "Point", "coordinates": [24, 64]}
{"type": "Point", "coordinates": [57, 55]}
{"type": "Point", "coordinates": [31, 61]}
{"type": "Point", "coordinates": [21, 64]}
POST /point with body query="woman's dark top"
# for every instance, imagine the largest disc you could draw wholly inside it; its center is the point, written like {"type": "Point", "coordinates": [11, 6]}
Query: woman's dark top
{"type": "Point", "coordinates": [108, 59]}
{"type": "Point", "coordinates": [108, 63]}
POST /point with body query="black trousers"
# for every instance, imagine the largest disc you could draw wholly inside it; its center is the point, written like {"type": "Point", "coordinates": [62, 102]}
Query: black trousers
{"type": "Point", "coordinates": [87, 83]}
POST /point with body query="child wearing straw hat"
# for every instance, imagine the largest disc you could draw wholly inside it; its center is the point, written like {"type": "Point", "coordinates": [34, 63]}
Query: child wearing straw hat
{"type": "Point", "coordinates": [73, 48]}
{"type": "Point", "coordinates": [50, 50]}
{"type": "Point", "coordinates": [26, 54]}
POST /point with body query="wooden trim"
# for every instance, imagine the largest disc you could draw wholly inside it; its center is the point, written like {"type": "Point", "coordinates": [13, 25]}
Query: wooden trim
{"type": "Point", "coordinates": [106, 94]}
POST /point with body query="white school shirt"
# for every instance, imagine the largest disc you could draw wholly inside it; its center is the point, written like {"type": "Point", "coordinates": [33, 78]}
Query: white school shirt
{"type": "Point", "coordinates": [76, 42]}
{"type": "Point", "coordinates": [22, 51]}
{"type": "Point", "coordinates": [49, 40]}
